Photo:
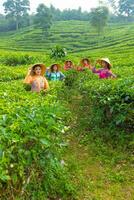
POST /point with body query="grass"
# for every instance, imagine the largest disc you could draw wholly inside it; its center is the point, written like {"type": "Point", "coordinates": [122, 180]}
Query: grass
{"type": "Point", "coordinates": [97, 171]}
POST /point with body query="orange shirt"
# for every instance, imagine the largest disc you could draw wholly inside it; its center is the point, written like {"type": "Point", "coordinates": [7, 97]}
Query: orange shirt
{"type": "Point", "coordinates": [37, 83]}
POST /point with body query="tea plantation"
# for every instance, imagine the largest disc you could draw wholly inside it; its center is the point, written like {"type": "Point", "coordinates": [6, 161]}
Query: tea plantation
{"type": "Point", "coordinates": [75, 141]}
{"type": "Point", "coordinates": [76, 36]}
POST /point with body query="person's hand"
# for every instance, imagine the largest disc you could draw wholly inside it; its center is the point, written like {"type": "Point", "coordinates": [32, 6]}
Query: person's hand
{"type": "Point", "coordinates": [29, 70]}
{"type": "Point", "coordinates": [114, 76]}
{"type": "Point", "coordinates": [97, 62]}
{"type": "Point", "coordinates": [91, 67]}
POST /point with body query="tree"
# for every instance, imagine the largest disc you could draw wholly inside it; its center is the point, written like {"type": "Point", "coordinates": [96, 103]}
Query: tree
{"type": "Point", "coordinates": [69, 14]}
{"type": "Point", "coordinates": [16, 9]}
{"type": "Point", "coordinates": [115, 5]}
{"type": "Point", "coordinates": [99, 18]}
{"type": "Point", "coordinates": [25, 20]}
{"type": "Point", "coordinates": [56, 13]}
{"type": "Point", "coordinates": [6, 24]}
{"type": "Point", "coordinates": [43, 18]}
{"type": "Point", "coordinates": [126, 7]}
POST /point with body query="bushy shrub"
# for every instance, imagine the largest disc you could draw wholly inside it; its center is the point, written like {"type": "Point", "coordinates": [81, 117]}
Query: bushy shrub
{"type": "Point", "coordinates": [12, 73]}
{"type": "Point", "coordinates": [31, 144]}
{"type": "Point", "coordinates": [106, 104]}
{"type": "Point", "coordinates": [58, 52]}
{"type": "Point", "coordinates": [71, 77]}
{"type": "Point", "coordinates": [17, 59]}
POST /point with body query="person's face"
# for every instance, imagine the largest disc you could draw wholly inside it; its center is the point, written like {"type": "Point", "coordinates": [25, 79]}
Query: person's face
{"type": "Point", "coordinates": [85, 62]}
{"type": "Point", "coordinates": [55, 68]}
{"type": "Point", "coordinates": [37, 70]}
{"type": "Point", "coordinates": [104, 64]}
{"type": "Point", "coordinates": [69, 64]}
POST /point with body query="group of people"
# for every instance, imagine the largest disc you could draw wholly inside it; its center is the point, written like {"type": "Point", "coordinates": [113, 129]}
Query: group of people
{"type": "Point", "coordinates": [37, 73]}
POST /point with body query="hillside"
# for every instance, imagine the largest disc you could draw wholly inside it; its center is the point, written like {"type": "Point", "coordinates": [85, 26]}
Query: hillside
{"type": "Point", "coordinates": [76, 36]}
{"type": "Point", "coordinates": [75, 141]}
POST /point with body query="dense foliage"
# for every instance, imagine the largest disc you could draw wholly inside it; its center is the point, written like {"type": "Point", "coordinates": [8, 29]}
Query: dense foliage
{"type": "Point", "coordinates": [124, 8]}
{"type": "Point", "coordinates": [99, 18]}
{"type": "Point", "coordinates": [31, 143]}
{"type": "Point", "coordinates": [33, 127]}
{"type": "Point", "coordinates": [43, 18]}
{"type": "Point", "coordinates": [16, 10]}
{"type": "Point", "coordinates": [58, 52]}
{"type": "Point", "coordinates": [17, 15]}
{"type": "Point", "coordinates": [105, 105]}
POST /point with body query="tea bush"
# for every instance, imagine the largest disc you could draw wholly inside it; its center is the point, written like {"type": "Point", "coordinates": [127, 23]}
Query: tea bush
{"type": "Point", "coordinates": [58, 52]}
{"type": "Point", "coordinates": [31, 144]}
{"type": "Point", "coordinates": [77, 36]}
{"type": "Point", "coordinates": [106, 104]}
{"type": "Point", "coordinates": [12, 73]}
{"type": "Point", "coordinates": [14, 60]}
{"type": "Point", "coordinates": [33, 127]}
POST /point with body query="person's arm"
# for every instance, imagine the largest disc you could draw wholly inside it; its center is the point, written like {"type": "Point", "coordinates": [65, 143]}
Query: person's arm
{"type": "Point", "coordinates": [65, 68]}
{"type": "Point", "coordinates": [46, 85]}
{"type": "Point", "coordinates": [48, 75]}
{"type": "Point", "coordinates": [96, 71]}
{"type": "Point", "coordinates": [79, 69]}
{"type": "Point", "coordinates": [91, 67]}
{"type": "Point", "coordinates": [112, 74]}
{"type": "Point", "coordinates": [28, 78]}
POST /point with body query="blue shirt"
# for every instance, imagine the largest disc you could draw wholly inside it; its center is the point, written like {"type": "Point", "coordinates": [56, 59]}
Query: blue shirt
{"type": "Point", "coordinates": [55, 76]}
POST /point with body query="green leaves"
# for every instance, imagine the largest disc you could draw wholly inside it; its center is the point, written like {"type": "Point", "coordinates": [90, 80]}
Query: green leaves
{"type": "Point", "coordinates": [99, 18]}
{"type": "Point", "coordinates": [45, 142]}
{"type": "Point", "coordinates": [105, 104]}
{"type": "Point", "coordinates": [31, 135]}
{"type": "Point", "coordinates": [58, 52]}
{"type": "Point", "coordinates": [14, 59]}
{"type": "Point", "coordinates": [43, 18]}
{"type": "Point", "coordinates": [4, 177]}
{"type": "Point", "coordinates": [16, 9]}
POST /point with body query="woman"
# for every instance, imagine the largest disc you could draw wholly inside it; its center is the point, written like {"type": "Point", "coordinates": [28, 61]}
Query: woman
{"type": "Point", "coordinates": [105, 72]}
{"type": "Point", "coordinates": [55, 74]}
{"type": "Point", "coordinates": [85, 64]}
{"type": "Point", "coordinates": [68, 65]}
{"type": "Point", "coordinates": [35, 78]}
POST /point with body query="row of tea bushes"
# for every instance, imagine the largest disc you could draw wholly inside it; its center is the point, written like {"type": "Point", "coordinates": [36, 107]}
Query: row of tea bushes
{"type": "Point", "coordinates": [10, 58]}
{"type": "Point", "coordinates": [106, 104]}
{"type": "Point", "coordinates": [32, 127]}
{"type": "Point", "coordinates": [12, 73]}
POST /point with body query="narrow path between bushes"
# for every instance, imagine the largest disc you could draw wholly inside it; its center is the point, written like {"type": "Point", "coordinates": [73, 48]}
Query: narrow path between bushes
{"type": "Point", "coordinates": [99, 175]}
{"type": "Point", "coordinates": [98, 171]}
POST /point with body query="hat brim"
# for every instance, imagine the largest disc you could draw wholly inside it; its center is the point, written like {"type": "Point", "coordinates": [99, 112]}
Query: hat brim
{"type": "Point", "coordinates": [101, 60]}
{"type": "Point", "coordinates": [56, 65]}
{"type": "Point", "coordinates": [69, 62]}
{"type": "Point", "coordinates": [42, 66]}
